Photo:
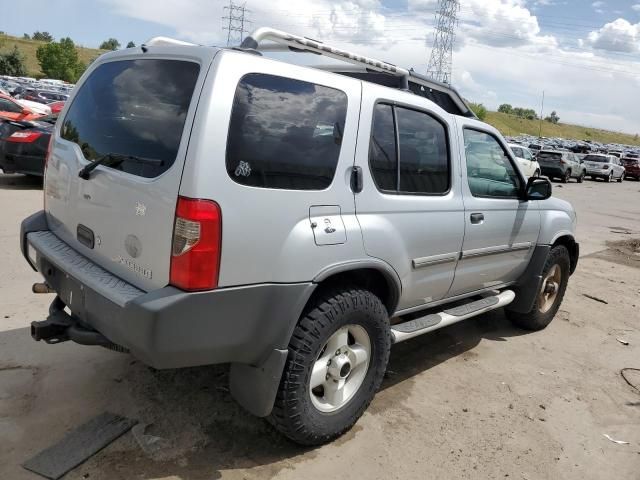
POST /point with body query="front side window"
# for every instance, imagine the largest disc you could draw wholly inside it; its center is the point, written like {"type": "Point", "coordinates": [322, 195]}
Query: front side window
{"type": "Point", "coordinates": [134, 108]}
{"type": "Point", "coordinates": [285, 133]}
{"type": "Point", "coordinates": [408, 152]}
{"type": "Point", "coordinates": [489, 170]}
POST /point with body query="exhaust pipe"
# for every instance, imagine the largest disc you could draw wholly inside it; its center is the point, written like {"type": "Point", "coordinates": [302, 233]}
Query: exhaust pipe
{"type": "Point", "coordinates": [41, 288]}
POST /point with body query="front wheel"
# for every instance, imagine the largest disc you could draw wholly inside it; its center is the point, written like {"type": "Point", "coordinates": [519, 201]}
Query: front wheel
{"type": "Point", "coordinates": [621, 178]}
{"type": "Point", "coordinates": [610, 177]}
{"type": "Point", "coordinates": [581, 177]}
{"type": "Point", "coordinates": [536, 174]}
{"type": "Point", "coordinates": [555, 277]}
{"type": "Point", "coordinates": [338, 354]}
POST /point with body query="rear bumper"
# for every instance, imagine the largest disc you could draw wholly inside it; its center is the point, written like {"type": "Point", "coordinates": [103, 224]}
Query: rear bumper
{"type": "Point", "coordinates": [167, 328]}
{"type": "Point", "coordinates": [598, 172]}
{"type": "Point", "coordinates": [552, 171]}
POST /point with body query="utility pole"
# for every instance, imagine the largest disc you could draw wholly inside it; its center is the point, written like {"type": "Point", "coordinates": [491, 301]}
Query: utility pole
{"type": "Point", "coordinates": [441, 60]}
{"type": "Point", "coordinates": [541, 114]}
{"type": "Point", "coordinates": [236, 23]}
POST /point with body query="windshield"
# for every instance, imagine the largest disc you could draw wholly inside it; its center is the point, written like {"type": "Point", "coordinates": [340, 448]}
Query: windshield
{"type": "Point", "coordinates": [134, 108]}
{"type": "Point", "coordinates": [596, 158]}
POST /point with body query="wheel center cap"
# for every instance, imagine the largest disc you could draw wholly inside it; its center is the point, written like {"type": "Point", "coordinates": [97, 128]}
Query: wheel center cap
{"type": "Point", "coordinates": [340, 367]}
{"type": "Point", "coordinates": [550, 288]}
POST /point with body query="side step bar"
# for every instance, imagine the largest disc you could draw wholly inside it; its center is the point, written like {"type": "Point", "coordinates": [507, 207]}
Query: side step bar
{"type": "Point", "coordinates": [433, 321]}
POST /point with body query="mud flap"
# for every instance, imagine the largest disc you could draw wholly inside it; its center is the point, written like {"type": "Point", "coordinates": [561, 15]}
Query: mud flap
{"type": "Point", "coordinates": [528, 285]}
{"type": "Point", "coordinates": [255, 388]}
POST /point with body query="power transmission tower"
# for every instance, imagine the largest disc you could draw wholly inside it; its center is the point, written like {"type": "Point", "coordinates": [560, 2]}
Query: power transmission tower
{"type": "Point", "coordinates": [441, 60]}
{"type": "Point", "coordinates": [237, 21]}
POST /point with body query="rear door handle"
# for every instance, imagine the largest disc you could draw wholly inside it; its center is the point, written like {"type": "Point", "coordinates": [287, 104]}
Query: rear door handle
{"type": "Point", "coordinates": [477, 218]}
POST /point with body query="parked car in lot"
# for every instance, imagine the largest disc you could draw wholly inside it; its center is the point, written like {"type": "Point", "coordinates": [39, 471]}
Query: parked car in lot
{"type": "Point", "coordinates": [23, 145]}
{"type": "Point", "coordinates": [56, 107]}
{"type": "Point", "coordinates": [44, 96]}
{"type": "Point", "coordinates": [562, 165]}
{"type": "Point", "coordinates": [527, 162]}
{"type": "Point", "coordinates": [12, 109]}
{"type": "Point", "coordinates": [247, 218]}
{"type": "Point", "coordinates": [631, 168]}
{"type": "Point", "coordinates": [604, 166]}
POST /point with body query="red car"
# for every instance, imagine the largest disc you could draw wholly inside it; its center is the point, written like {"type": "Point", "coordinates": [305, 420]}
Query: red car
{"type": "Point", "coordinates": [56, 107]}
{"type": "Point", "coordinates": [631, 168]}
{"type": "Point", "coordinates": [12, 110]}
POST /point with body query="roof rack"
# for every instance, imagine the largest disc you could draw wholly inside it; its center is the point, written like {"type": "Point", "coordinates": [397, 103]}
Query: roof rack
{"type": "Point", "coordinates": [370, 69]}
{"type": "Point", "coordinates": [165, 41]}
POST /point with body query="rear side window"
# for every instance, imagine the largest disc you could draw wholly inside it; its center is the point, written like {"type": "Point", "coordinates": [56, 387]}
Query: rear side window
{"type": "Point", "coordinates": [285, 133]}
{"type": "Point", "coordinates": [136, 108]}
{"type": "Point", "coordinates": [408, 152]}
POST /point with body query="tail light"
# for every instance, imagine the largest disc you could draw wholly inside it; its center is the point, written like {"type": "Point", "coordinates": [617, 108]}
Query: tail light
{"type": "Point", "coordinates": [24, 137]}
{"type": "Point", "coordinates": [197, 237]}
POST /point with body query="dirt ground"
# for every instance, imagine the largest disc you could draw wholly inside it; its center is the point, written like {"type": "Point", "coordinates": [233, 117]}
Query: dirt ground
{"type": "Point", "coordinates": [478, 400]}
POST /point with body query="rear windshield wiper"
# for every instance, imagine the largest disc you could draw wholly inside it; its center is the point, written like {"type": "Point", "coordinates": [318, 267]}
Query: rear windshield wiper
{"type": "Point", "coordinates": [112, 159]}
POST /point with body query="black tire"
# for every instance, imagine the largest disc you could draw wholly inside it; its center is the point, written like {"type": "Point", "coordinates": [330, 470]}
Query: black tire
{"type": "Point", "coordinates": [581, 177]}
{"type": "Point", "coordinates": [621, 178]}
{"type": "Point", "coordinates": [294, 414]}
{"type": "Point", "coordinates": [566, 177]}
{"type": "Point", "coordinates": [536, 174]}
{"type": "Point", "coordinates": [609, 178]}
{"type": "Point", "coordinates": [535, 319]}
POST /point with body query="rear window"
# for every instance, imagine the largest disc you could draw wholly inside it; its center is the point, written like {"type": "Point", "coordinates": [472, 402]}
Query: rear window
{"type": "Point", "coordinates": [549, 156]}
{"type": "Point", "coordinates": [596, 158]}
{"type": "Point", "coordinates": [285, 133]}
{"type": "Point", "coordinates": [136, 108]}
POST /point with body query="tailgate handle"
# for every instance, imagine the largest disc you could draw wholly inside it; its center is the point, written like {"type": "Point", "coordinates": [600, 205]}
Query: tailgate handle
{"type": "Point", "coordinates": [85, 236]}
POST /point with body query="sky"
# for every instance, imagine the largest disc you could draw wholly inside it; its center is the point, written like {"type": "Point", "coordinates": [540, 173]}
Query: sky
{"type": "Point", "coordinates": [585, 55]}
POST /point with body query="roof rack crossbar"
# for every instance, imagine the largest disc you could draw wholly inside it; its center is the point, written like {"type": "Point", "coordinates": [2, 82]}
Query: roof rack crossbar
{"type": "Point", "coordinates": [307, 44]}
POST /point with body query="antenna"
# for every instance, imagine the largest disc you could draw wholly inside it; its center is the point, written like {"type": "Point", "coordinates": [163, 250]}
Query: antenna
{"type": "Point", "coordinates": [237, 22]}
{"type": "Point", "coordinates": [441, 61]}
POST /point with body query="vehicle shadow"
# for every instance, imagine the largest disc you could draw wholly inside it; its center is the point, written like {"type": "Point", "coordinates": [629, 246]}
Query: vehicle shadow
{"type": "Point", "coordinates": [13, 181]}
{"type": "Point", "coordinates": [196, 430]}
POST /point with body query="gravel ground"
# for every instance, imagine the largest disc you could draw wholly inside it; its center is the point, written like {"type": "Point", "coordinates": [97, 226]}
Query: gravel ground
{"type": "Point", "coordinates": [480, 399]}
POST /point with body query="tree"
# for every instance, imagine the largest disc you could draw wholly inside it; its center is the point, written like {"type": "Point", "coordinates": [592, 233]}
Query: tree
{"type": "Point", "coordinates": [42, 36]}
{"type": "Point", "coordinates": [60, 60]}
{"type": "Point", "coordinates": [12, 63]}
{"type": "Point", "coordinates": [505, 108]}
{"type": "Point", "coordinates": [26, 36]}
{"type": "Point", "coordinates": [479, 109]}
{"type": "Point", "coordinates": [131, 45]}
{"type": "Point", "coordinates": [111, 44]}
{"type": "Point", "coordinates": [553, 118]}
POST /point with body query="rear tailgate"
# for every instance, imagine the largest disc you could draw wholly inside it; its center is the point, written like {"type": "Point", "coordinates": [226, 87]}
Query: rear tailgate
{"type": "Point", "coordinates": [132, 104]}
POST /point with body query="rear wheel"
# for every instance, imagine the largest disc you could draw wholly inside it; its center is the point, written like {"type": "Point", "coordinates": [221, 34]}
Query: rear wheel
{"type": "Point", "coordinates": [555, 277]}
{"type": "Point", "coordinates": [337, 358]}
{"type": "Point", "coordinates": [567, 176]}
{"type": "Point", "coordinates": [609, 178]}
{"type": "Point", "coordinates": [621, 177]}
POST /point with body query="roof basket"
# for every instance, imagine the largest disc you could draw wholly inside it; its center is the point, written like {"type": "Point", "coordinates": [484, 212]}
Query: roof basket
{"type": "Point", "coordinates": [370, 69]}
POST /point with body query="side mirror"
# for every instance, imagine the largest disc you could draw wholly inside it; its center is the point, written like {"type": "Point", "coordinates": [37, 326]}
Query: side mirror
{"type": "Point", "coordinates": [538, 189]}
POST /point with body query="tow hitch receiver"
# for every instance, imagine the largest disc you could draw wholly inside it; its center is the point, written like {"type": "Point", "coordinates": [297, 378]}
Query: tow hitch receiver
{"type": "Point", "coordinates": [60, 327]}
{"type": "Point", "coordinates": [54, 329]}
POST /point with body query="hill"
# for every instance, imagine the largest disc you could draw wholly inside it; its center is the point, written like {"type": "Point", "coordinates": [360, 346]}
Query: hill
{"type": "Point", "coordinates": [512, 125]}
{"type": "Point", "coordinates": [29, 47]}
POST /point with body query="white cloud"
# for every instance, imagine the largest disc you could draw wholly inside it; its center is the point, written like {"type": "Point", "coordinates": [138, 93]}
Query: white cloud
{"type": "Point", "coordinates": [617, 36]}
{"type": "Point", "coordinates": [636, 7]}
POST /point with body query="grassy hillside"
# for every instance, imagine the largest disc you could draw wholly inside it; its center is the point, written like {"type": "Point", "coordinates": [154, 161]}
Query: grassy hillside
{"type": "Point", "coordinates": [29, 47]}
{"type": "Point", "coordinates": [512, 125]}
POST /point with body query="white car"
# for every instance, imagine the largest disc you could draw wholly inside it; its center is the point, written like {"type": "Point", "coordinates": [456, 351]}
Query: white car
{"type": "Point", "coordinates": [35, 106]}
{"type": "Point", "coordinates": [527, 162]}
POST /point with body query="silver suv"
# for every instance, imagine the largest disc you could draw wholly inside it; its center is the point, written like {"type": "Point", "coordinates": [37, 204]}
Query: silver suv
{"type": "Point", "coordinates": [207, 205]}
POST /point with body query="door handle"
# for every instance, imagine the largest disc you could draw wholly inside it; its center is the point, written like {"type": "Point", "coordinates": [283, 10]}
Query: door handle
{"type": "Point", "coordinates": [477, 218]}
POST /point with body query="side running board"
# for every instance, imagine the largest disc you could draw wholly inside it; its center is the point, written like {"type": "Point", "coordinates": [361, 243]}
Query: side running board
{"type": "Point", "coordinates": [433, 321]}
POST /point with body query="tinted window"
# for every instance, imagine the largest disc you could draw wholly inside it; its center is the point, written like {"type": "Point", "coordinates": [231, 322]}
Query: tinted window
{"type": "Point", "coordinates": [133, 107]}
{"type": "Point", "coordinates": [489, 170]}
{"type": "Point", "coordinates": [553, 156]}
{"type": "Point", "coordinates": [423, 166]}
{"type": "Point", "coordinates": [596, 158]}
{"type": "Point", "coordinates": [9, 106]}
{"type": "Point", "coordinates": [285, 133]}
{"type": "Point", "coordinates": [382, 149]}
{"type": "Point", "coordinates": [424, 160]}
